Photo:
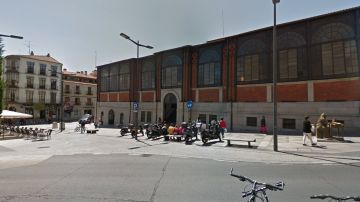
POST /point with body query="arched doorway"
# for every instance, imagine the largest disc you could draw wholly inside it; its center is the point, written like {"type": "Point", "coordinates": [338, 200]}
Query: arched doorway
{"type": "Point", "coordinates": [111, 117]}
{"type": "Point", "coordinates": [170, 106]}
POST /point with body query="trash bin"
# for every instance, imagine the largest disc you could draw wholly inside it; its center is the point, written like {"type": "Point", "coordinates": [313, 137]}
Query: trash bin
{"type": "Point", "coordinates": [54, 125]}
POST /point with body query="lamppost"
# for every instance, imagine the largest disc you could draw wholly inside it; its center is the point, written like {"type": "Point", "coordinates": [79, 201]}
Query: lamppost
{"type": "Point", "coordinates": [137, 67]}
{"type": "Point", "coordinates": [11, 36]}
{"type": "Point", "coordinates": [275, 78]}
{"type": "Point", "coordinates": [61, 99]}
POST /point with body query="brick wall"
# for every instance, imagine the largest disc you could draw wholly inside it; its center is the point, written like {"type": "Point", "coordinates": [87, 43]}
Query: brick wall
{"type": "Point", "coordinates": [251, 94]}
{"type": "Point", "coordinates": [147, 96]}
{"type": "Point", "coordinates": [124, 97]}
{"type": "Point", "coordinates": [209, 95]}
{"type": "Point", "coordinates": [113, 97]}
{"type": "Point", "coordinates": [337, 91]}
{"type": "Point", "coordinates": [104, 97]}
{"type": "Point", "coordinates": [292, 93]}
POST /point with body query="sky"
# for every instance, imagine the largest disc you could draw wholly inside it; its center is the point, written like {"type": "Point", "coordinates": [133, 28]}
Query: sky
{"type": "Point", "coordinates": [84, 33]}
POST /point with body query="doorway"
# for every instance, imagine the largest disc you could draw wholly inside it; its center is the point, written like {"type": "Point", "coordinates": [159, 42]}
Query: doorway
{"type": "Point", "coordinates": [170, 107]}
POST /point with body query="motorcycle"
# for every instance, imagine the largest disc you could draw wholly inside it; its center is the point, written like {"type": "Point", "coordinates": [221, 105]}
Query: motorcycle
{"type": "Point", "coordinates": [153, 130]}
{"type": "Point", "coordinates": [190, 132]}
{"type": "Point", "coordinates": [212, 133]}
{"type": "Point", "coordinates": [124, 131]}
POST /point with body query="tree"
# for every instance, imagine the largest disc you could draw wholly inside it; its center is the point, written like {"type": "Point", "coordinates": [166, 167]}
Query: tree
{"type": "Point", "coordinates": [1, 77]}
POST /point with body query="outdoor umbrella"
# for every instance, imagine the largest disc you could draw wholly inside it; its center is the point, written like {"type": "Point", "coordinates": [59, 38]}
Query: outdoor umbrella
{"type": "Point", "coordinates": [6, 114]}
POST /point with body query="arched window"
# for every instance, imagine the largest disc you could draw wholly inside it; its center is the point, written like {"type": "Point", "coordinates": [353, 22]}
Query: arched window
{"type": "Point", "coordinates": [209, 69]}
{"type": "Point", "coordinates": [111, 116]}
{"type": "Point", "coordinates": [251, 61]}
{"type": "Point", "coordinates": [337, 45]}
{"type": "Point", "coordinates": [292, 55]}
{"type": "Point", "coordinates": [148, 75]}
{"type": "Point", "coordinates": [171, 75]}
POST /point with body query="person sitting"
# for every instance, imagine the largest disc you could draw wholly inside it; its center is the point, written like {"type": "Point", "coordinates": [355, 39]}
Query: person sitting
{"type": "Point", "coordinates": [171, 129]}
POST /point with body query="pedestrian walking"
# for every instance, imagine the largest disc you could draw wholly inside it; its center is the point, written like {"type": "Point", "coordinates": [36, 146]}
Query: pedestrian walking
{"type": "Point", "coordinates": [263, 128]}
{"type": "Point", "coordinates": [82, 126]}
{"type": "Point", "coordinates": [222, 125]}
{"type": "Point", "coordinates": [307, 131]}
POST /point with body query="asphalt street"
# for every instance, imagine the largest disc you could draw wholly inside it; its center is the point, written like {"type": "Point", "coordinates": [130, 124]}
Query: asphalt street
{"type": "Point", "coordinates": [107, 167]}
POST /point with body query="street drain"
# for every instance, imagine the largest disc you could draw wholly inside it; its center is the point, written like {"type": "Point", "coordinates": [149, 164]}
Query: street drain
{"type": "Point", "coordinates": [44, 147]}
{"type": "Point", "coordinates": [145, 155]}
{"type": "Point", "coordinates": [134, 147]}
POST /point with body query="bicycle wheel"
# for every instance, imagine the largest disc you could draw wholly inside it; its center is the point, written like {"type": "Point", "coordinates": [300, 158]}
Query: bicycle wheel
{"type": "Point", "coordinates": [77, 129]}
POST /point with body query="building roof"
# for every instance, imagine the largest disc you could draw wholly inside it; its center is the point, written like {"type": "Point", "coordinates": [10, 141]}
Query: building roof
{"type": "Point", "coordinates": [45, 58]}
{"type": "Point", "coordinates": [89, 75]}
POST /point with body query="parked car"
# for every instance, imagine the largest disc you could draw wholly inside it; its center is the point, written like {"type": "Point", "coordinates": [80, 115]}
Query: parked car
{"type": "Point", "coordinates": [86, 118]}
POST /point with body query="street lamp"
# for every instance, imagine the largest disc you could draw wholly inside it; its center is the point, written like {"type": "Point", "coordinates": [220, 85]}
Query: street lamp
{"type": "Point", "coordinates": [11, 36]}
{"type": "Point", "coordinates": [137, 65]}
{"type": "Point", "coordinates": [275, 79]}
{"type": "Point", "coordinates": [61, 99]}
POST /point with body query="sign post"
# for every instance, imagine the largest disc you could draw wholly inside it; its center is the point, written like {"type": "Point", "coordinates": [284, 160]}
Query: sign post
{"type": "Point", "coordinates": [189, 105]}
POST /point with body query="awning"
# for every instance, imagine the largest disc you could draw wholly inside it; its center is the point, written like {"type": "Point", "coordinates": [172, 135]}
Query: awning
{"type": "Point", "coordinates": [6, 114]}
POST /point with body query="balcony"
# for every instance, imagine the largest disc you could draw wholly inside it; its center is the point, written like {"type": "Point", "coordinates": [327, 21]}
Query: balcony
{"type": "Point", "coordinates": [89, 93]}
{"type": "Point", "coordinates": [42, 73]}
{"type": "Point", "coordinates": [77, 103]}
{"type": "Point", "coordinates": [11, 99]}
{"type": "Point", "coordinates": [67, 91]}
{"type": "Point", "coordinates": [89, 103]}
{"type": "Point", "coordinates": [30, 85]}
{"type": "Point", "coordinates": [12, 69]}
{"type": "Point", "coordinates": [77, 92]}
{"type": "Point", "coordinates": [42, 87]}
{"type": "Point", "coordinates": [53, 88]}
{"type": "Point", "coordinates": [12, 84]}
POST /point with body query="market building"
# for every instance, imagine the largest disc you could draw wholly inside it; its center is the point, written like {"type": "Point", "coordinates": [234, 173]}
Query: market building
{"type": "Point", "coordinates": [33, 86]}
{"type": "Point", "coordinates": [231, 77]}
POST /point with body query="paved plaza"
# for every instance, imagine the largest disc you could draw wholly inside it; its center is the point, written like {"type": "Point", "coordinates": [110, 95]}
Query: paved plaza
{"type": "Point", "coordinates": [19, 152]}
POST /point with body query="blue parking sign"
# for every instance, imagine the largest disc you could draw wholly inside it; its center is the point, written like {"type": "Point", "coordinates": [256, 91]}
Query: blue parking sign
{"type": "Point", "coordinates": [136, 106]}
{"type": "Point", "coordinates": [189, 104]}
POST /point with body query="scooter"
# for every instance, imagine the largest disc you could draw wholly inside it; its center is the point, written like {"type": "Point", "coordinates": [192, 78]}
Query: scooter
{"type": "Point", "coordinates": [212, 133]}
{"type": "Point", "coordinates": [190, 132]}
{"type": "Point", "coordinates": [124, 130]}
{"type": "Point", "coordinates": [153, 130]}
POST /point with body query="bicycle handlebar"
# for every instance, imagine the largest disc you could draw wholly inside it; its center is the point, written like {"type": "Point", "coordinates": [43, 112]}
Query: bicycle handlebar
{"type": "Point", "coordinates": [277, 186]}
{"type": "Point", "coordinates": [324, 196]}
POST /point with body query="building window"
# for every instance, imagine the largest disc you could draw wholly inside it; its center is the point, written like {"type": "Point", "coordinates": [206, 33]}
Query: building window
{"type": "Point", "coordinates": [89, 91]}
{"type": "Point", "coordinates": [148, 117]}
{"type": "Point", "coordinates": [202, 118]}
{"type": "Point", "coordinates": [337, 46]}
{"type": "Point", "coordinates": [212, 117]}
{"type": "Point", "coordinates": [29, 82]}
{"type": "Point", "coordinates": [77, 90]}
{"type": "Point", "coordinates": [42, 69]}
{"type": "Point", "coordinates": [339, 57]}
{"type": "Point", "coordinates": [251, 121]}
{"type": "Point", "coordinates": [104, 80]}
{"type": "Point", "coordinates": [53, 70]}
{"type": "Point", "coordinates": [53, 84]}
{"type": "Point", "coordinates": [67, 89]}
{"type": "Point", "coordinates": [11, 95]}
{"type": "Point", "coordinates": [209, 70]}
{"type": "Point", "coordinates": [142, 117]}
{"type": "Point", "coordinates": [171, 73]}
{"type": "Point", "coordinates": [124, 77]}
{"type": "Point", "coordinates": [30, 67]}
{"type": "Point", "coordinates": [77, 101]}
{"type": "Point", "coordinates": [289, 123]}
{"type": "Point", "coordinates": [29, 96]}
{"type": "Point", "coordinates": [114, 78]}
{"type": "Point", "coordinates": [88, 102]}
{"type": "Point", "coordinates": [42, 97]}
{"type": "Point", "coordinates": [251, 61]}
{"type": "Point", "coordinates": [148, 75]}
{"type": "Point", "coordinates": [292, 56]}
{"type": "Point", "coordinates": [42, 83]}
{"type": "Point", "coordinates": [53, 98]}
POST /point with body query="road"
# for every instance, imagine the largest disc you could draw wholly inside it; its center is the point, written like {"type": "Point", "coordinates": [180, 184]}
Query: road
{"type": "Point", "coordinates": [106, 167]}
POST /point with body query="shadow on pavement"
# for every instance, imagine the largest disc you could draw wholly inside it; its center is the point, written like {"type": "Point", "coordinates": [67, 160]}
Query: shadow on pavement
{"type": "Point", "coordinates": [323, 158]}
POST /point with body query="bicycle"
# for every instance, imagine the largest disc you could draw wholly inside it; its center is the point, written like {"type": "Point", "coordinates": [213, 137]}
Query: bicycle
{"type": "Point", "coordinates": [335, 198]}
{"type": "Point", "coordinates": [258, 188]}
{"type": "Point", "coordinates": [78, 128]}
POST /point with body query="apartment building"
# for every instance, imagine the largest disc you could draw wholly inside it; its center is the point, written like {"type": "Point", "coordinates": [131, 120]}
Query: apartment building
{"type": "Point", "coordinates": [231, 77]}
{"type": "Point", "coordinates": [32, 85]}
{"type": "Point", "coordinates": [80, 90]}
